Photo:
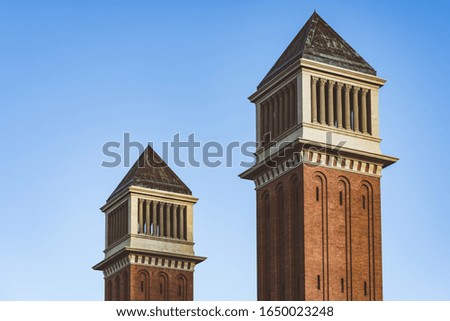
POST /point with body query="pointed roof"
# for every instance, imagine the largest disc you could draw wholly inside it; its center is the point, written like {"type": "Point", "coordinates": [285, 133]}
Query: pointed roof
{"type": "Point", "coordinates": [151, 171]}
{"type": "Point", "coordinates": [319, 42]}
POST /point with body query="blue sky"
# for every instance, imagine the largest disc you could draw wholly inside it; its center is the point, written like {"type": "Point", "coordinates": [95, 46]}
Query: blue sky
{"type": "Point", "coordinates": [77, 74]}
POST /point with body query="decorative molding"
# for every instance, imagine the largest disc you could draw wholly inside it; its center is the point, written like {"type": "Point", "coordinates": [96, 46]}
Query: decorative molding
{"type": "Point", "coordinates": [151, 194]}
{"type": "Point", "coordinates": [149, 260]}
{"type": "Point", "coordinates": [320, 69]}
{"type": "Point", "coordinates": [319, 159]}
{"type": "Point", "coordinates": [117, 266]}
{"type": "Point", "coordinates": [341, 72]}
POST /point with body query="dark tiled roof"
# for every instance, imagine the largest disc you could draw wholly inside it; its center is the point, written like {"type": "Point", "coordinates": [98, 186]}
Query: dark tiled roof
{"type": "Point", "coordinates": [318, 41]}
{"type": "Point", "coordinates": [151, 171]}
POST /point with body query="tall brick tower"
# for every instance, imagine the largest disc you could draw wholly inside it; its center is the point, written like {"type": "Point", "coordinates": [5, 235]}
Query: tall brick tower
{"type": "Point", "coordinates": [149, 250]}
{"type": "Point", "coordinates": [318, 172]}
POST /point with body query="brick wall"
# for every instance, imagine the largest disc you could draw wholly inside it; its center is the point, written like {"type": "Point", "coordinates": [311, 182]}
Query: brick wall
{"type": "Point", "coordinates": [324, 243]}
{"type": "Point", "coordinates": [139, 282]}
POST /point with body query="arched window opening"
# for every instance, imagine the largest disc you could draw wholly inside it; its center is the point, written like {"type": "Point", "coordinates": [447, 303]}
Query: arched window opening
{"type": "Point", "coordinates": [144, 286]}
{"type": "Point", "coordinates": [182, 290]}
{"type": "Point", "coordinates": [163, 293]}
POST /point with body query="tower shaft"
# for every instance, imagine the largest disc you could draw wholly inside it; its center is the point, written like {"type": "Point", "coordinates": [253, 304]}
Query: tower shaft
{"type": "Point", "coordinates": [318, 171]}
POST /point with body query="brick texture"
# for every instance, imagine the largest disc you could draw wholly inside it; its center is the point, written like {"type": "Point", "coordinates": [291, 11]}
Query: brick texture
{"type": "Point", "coordinates": [139, 282]}
{"type": "Point", "coordinates": [319, 236]}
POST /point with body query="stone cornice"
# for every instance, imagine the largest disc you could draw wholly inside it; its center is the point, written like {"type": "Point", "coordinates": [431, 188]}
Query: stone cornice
{"type": "Point", "coordinates": [116, 201]}
{"type": "Point", "coordinates": [163, 194]}
{"type": "Point", "coordinates": [314, 154]}
{"type": "Point", "coordinates": [318, 159]}
{"type": "Point", "coordinates": [147, 192]}
{"type": "Point", "coordinates": [320, 69]}
{"type": "Point", "coordinates": [129, 256]}
{"type": "Point", "coordinates": [278, 80]}
{"type": "Point", "coordinates": [347, 73]}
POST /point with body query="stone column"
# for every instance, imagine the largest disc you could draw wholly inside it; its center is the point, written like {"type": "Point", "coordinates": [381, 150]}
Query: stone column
{"type": "Point", "coordinates": [147, 217]}
{"type": "Point", "coordinates": [116, 214]}
{"type": "Point", "coordinates": [189, 222]}
{"type": "Point", "coordinates": [330, 103]}
{"type": "Point", "coordinates": [355, 109]}
{"type": "Point", "coordinates": [339, 104]}
{"type": "Point", "coordinates": [119, 214]}
{"type": "Point", "coordinates": [287, 109]}
{"type": "Point", "coordinates": [373, 113]}
{"type": "Point", "coordinates": [140, 216]}
{"type": "Point", "coordinates": [169, 208]}
{"type": "Point", "coordinates": [276, 113]}
{"type": "Point", "coordinates": [161, 219]}
{"type": "Point", "coordinates": [322, 117]}
{"type": "Point", "coordinates": [364, 110]}
{"type": "Point", "coordinates": [292, 109]}
{"type": "Point", "coordinates": [265, 127]}
{"type": "Point", "coordinates": [116, 219]}
{"type": "Point", "coordinates": [108, 229]}
{"type": "Point", "coordinates": [175, 224]}
{"type": "Point", "coordinates": [124, 220]}
{"type": "Point", "coordinates": [113, 227]}
{"type": "Point", "coordinates": [347, 106]}
{"type": "Point", "coordinates": [133, 209]}
{"type": "Point", "coordinates": [153, 231]}
{"type": "Point", "coordinates": [314, 99]}
{"type": "Point", "coordinates": [281, 109]}
{"type": "Point", "coordinates": [270, 119]}
{"type": "Point", "coordinates": [258, 122]}
{"type": "Point", "coordinates": [181, 223]}
{"type": "Point", "coordinates": [118, 224]}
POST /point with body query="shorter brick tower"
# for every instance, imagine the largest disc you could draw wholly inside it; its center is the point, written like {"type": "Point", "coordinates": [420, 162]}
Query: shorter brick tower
{"type": "Point", "coordinates": [149, 248]}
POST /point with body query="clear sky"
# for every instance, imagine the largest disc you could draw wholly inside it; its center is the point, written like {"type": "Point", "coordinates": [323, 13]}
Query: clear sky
{"type": "Point", "coordinates": [77, 74]}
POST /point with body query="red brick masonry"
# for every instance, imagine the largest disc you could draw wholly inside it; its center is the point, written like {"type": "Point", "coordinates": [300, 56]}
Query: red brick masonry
{"type": "Point", "coordinates": [139, 282]}
{"type": "Point", "coordinates": [319, 236]}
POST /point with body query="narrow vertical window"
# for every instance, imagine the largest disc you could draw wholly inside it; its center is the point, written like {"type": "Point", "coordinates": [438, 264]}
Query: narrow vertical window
{"type": "Point", "coordinates": [317, 193]}
{"type": "Point", "coordinates": [318, 282]}
{"type": "Point", "coordinates": [365, 288]}
{"type": "Point", "coordinates": [363, 202]}
{"type": "Point", "coordinates": [342, 285]}
{"type": "Point", "coordinates": [160, 288]}
{"type": "Point", "coordinates": [142, 286]}
{"type": "Point", "coordinates": [340, 197]}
